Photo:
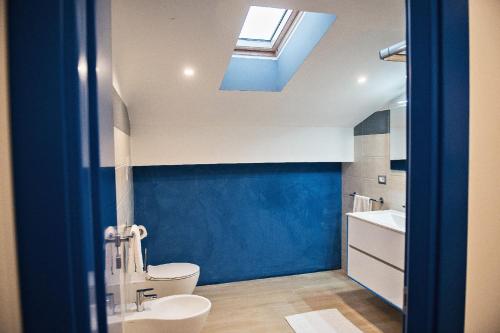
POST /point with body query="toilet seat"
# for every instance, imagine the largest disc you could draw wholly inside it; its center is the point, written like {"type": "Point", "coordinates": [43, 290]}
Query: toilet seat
{"type": "Point", "coordinates": [173, 271]}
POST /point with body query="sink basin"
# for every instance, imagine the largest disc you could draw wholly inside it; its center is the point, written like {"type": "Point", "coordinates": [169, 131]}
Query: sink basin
{"type": "Point", "coordinates": [172, 314]}
{"type": "Point", "coordinates": [390, 219]}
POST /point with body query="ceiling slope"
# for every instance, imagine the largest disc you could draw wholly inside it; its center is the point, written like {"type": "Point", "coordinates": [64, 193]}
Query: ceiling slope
{"type": "Point", "coordinates": [154, 40]}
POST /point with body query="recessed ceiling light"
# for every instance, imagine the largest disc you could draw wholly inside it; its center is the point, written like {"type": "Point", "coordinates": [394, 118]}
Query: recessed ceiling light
{"type": "Point", "coordinates": [361, 79]}
{"type": "Point", "coordinates": [188, 71]}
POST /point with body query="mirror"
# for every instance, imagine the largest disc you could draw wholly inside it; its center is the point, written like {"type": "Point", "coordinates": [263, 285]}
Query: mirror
{"type": "Point", "coordinates": [398, 134]}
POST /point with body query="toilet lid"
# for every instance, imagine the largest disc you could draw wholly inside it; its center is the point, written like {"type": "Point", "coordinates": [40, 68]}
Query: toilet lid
{"type": "Point", "coordinates": [172, 271]}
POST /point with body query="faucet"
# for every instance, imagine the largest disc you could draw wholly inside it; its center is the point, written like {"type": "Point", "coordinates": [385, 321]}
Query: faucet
{"type": "Point", "coordinates": [140, 297]}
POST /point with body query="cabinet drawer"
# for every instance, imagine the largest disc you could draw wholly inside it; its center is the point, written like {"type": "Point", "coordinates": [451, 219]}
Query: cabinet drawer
{"type": "Point", "coordinates": [385, 244]}
{"type": "Point", "coordinates": [381, 278]}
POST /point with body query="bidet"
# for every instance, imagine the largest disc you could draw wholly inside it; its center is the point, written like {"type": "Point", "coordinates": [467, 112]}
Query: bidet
{"type": "Point", "coordinates": [172, 314]}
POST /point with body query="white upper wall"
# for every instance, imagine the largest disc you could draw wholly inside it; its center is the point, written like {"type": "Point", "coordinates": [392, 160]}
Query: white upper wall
{"type": "Point", "coordinates": [211, 145]}
{"type": "Point", "coordinates": [153, 41]}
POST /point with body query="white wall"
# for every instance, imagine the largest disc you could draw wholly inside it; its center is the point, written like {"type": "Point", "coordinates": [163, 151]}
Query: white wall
{"type": "Point", "coordinates": [209, 145]}
{"type": "Point", "coordinates": [10, 314]}
{"type": "Point", "coordinates": [482, 312]}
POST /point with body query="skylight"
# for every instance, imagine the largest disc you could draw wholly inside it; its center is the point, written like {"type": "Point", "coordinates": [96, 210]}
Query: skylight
{"type": "Point", "coordinates": [264, 30]}
{"type": "Point", "coordinates": [254, 68]}
{"type": "Point", "coordinates": [262, 23]}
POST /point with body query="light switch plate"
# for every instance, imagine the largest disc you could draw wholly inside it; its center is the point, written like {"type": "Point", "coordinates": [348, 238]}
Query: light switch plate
{"type": "Point", "coordinates": [382, 180]}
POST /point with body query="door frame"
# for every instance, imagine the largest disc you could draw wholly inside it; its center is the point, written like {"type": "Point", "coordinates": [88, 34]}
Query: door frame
{"type": "Point", "coordinates": [438, 141]}
{"type": "Point", "coordinates": [50, 144]}
{"type": "Point", "coordinates": [54, 164]}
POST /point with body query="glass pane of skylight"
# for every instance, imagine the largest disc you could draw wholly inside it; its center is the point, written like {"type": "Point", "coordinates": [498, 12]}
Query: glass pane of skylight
{"type": "Point", "coordinates": [262, 23]}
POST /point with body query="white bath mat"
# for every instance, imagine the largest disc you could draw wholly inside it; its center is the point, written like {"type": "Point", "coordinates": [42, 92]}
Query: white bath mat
{"type": "Point", "coordinates": [323, 321]}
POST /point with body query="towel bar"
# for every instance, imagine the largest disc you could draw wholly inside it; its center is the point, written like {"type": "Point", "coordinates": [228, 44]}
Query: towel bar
{"type": "Point", "coordinates": [381, 200]}
{"type": "Point", "coordinates": [117, 239]}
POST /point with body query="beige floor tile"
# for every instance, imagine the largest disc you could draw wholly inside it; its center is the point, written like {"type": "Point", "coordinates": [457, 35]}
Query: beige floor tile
{"type": "Point", "coordinates": [261, 305]}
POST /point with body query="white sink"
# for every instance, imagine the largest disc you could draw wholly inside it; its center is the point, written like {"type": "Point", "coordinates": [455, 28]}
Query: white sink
{"type": "Point", "coordinates": [391, 219]}
{"type": "Point", "coordinates": [172, 314]}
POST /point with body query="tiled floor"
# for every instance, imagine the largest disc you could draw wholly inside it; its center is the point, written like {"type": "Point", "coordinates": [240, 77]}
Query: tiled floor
{"type": "Point", "coordinates": [260, 306]}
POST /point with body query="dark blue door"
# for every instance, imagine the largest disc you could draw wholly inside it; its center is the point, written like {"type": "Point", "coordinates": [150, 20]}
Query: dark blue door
{"type": "Point", "coordinates": [438, 140]}
{"type": "Point", "coordinates": [63, 185]}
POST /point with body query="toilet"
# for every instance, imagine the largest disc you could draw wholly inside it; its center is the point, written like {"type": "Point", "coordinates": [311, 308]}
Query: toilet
{"type": "Point", "coordinates": [174, 278]}
{"type": "Point", "coordinates": [166, 279]}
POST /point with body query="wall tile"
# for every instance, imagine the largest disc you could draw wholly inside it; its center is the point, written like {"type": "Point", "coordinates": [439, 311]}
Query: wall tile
{"type": "Point", "coordinates": [346, 207]}
{"type": "Point", "coordinates": [398, 177]}
{"type": "Point", "coordinates": [123, 178]}
{"type": "Point", "coordinates": [358, 148]}
{"type": "Point", "coordinates": [397, 182]}
{"type": "Point", "coordinates": [375, 166]}
{"type": "Point", "coordinates": [344, 241]}
{"type": "Point", "coordinates": [396, 199]}
{"type": "Point", "coordinates": [347, 202]}
{"type": "Point", "coordinates": [351, 184]}
{"type": "Point", "coordinates": [371, 160]}
{"type": "Point", "coordinates": [120, 214]}
{"type": "Point", "coordinates": [353, 169]}
{"type": "Point", "coordinates": [372, 189]}
{"type": "Point", "coordinates": [122, 148]}
{"type": "Point", "coordinates": [376, 145]}
{"type": "Point", "coordinates": [119, 281]}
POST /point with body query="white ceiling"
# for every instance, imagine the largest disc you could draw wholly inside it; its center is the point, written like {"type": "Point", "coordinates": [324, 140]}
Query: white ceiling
{"type": "Point", "coordinates": [154, 40]}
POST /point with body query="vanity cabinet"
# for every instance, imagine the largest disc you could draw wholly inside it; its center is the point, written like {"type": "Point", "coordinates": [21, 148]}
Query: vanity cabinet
{"type": "Point", "coordinates": [375, 258]}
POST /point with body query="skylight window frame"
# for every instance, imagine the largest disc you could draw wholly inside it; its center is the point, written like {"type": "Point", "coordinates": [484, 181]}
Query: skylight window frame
{"type": "Point", "coordinates": [270, 48]}
{"type": "Point", "coordinates": [286, 12]}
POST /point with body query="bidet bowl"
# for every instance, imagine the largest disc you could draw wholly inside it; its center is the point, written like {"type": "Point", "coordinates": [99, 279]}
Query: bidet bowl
{"type": "Point", "coordinates": [172, 314]}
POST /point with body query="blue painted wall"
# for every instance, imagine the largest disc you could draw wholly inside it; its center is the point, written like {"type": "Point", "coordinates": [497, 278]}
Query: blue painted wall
{"type": "Point", "coordinates": [242, 221]}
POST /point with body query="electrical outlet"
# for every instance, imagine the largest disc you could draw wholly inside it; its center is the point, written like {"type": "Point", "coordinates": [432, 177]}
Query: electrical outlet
{"type": "Point", "coordinates": [382, 180]}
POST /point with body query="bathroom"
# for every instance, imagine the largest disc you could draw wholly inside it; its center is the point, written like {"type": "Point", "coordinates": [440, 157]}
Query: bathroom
{"type": "Point", "coordinates": [249, 166]}
{"type": "Point", "coordinates": [241, 182]}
